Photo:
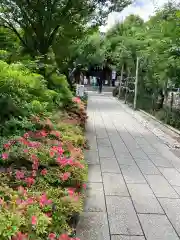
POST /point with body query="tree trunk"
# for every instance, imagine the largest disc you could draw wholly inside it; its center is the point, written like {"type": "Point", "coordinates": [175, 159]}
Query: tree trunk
{"type": "Point", "coordinates": [172, 101]}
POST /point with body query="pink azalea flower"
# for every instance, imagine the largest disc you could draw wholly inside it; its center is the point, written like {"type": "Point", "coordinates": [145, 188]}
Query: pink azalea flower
{"type": "Point", "coordinates": [43, 133]}
{"type": "Point", "coordinates": [29, 181]}
{"type": "Point", "coordinates": [18, 201]}
{"type": "Point", "coordinates": [26, 150]}
{"type": "Point", "coordinates": [30, 133]}
{"type": "Point", "coordinates": [61, 161]}
{"type": "Point", "coordinates": [34, 158]}
{"type": "Point", "coordinates": [64, 237]}
{"type": "Point", "coordinates": [44, 200]}
{"type": "Point", "coordinates": [49, 214]}
{"type": "Point", "coordinates": [26, 135]}
{"type": "Point", "coordinates": [20, 236]}
{"type": "Point", "coordinates": [24, 141]}
{"type": "Point", "coordinates": [58, 160]}
{"type": "Point", "coordinates": [65, 176]}
{"type": "Point", "coordinates": [35, 165]}
{"type": "Point", "coordinates": [44, 172]}
{"type": "Point", "coordinates": [57, 149]}
{"type": "Point", "coordinates": [64, 161]}
{"type": "Point", "coordinates": [7, 146]}
{"type": "Point", "coordinates": [52, 236]}
{"type": "Point", "coordinates": [60, 150]}
{"type": "Point", "coordinates": [84, 186]}
{"type": "Point", "coordinates": [30, 201]}
{"type": "Point", "coordinates": [34, 144]}
{"type": "Point", "coordinates": [5, 156]}
{"type": "Point", "coordinates": [71, 191]}
{"type": "Point", "coordinates": [34, 173]}
{"type": "Point", "coordinates": [76, 100]}
{"type": "Point", "coordinates": [70, 161]}
{"type": "Point", "coordinates": [51, 153]}
{"type": "Point", "coordinates": [76, 198]}
{"type": "Point", "coordinates": [22, 191]}
{"type": "Point", "coordinates": [33, 220]}
{"type": "Point", "coordinates": [79, 165]}
{"type": "Point", "coordinates": [19, 175]}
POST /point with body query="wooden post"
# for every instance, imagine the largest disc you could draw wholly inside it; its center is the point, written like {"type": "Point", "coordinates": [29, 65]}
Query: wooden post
{"type": "Point", "coordinates": [120, 82]}
{"type": "Point", "coordinates": [125, 99]}
{"type": "Point", "coordinates": [136, 84]}
{"type": "Point", "coordinates": [127, 82]}
{"type": "Point", "coordinates": [172, 101]}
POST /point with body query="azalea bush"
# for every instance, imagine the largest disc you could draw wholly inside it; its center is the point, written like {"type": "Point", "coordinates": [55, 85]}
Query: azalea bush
{"type": "Point", "coordinates": [77, 112]}
{"type": "Point", "coordinates": [43, 178]}
{"type": "Point", "coordinates": [24, 93]}
{"type": "Point", "coordinates": [42, 167]}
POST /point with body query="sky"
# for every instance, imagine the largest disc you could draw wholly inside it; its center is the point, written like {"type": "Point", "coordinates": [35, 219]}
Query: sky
{"type": "Point", "coordinates": [143, 8]}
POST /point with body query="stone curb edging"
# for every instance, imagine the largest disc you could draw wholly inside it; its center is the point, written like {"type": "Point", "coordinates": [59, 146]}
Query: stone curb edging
{"type": "Point", "coordinates": [159, 121]}
{"type": "Point", "coordinates": [163, 136]}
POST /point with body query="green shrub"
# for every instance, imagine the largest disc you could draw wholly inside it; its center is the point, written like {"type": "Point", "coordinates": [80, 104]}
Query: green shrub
{"type": "Point", "coordinates": [4, 55]}
{"type": "Point", "coordinates": [23, 93]}
{"type": "Point", "coordinates": [37, 107]}
{"type": "Point", "coordinates": [59, 82]}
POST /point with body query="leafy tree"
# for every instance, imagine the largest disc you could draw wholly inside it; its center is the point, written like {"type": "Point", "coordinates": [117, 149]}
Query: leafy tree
{"type": "Point", "coordinates": [156, 42]}
{"type": "Point", "coordinates": [36, 23]}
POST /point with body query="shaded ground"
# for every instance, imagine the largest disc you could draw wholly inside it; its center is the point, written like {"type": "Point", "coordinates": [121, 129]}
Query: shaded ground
{"type": "Point", "coordinates": [134, 179]}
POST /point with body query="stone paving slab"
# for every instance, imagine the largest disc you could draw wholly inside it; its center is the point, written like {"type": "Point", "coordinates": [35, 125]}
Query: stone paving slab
{"type": "Point", "coordinates": [93, 226]}
{"type": "Point", "coordinates": [144, 200]}
{"type": "Point", "coordinates": [114, 184]}
{"type": "Point", "coordinates": [172, 209]}
{"type": "Point", "coordinates": [160, 161]}
{"type": "Point", "coordinates": [121, 150]}
{"type": "Point", "coordinates": [132, 174]}
{"type": "Point", "coordinates": [157, 227]}
{"type": "Point", "coordinates": [118, 144]}
{"type": "Point", "coordinates": [147, 167]}
{"type": "Point", "coordinates": [149, 150]}
{"type": "Point", "coordinates": [92, 141]}
{"type": "Point", "coordinates": [125, 159]}
{"type": "Point", "coordinates": [161, 187]}
{"type": "Point", "coordinates": [122, 217]}
{"type": "Point", "coordinates": [138, 154]}
{"type": "Point", "coordinates": [177, 189]}
{"type": "Point", "coordinates": [101, 134]}
{"type": "Point", "coordinates": [172, 175]}
{"type": "Point", "coordinates": [94, 173]}
{"type": "Point", "coordinates": [175, 162]}
{"type": "Point", "coordinates": [92, 157]}
{"type": "Point", "coordinates": [120, 237]}
{"type": "Point", "coordinates": [90, 125]}
{"type": "Point", "coordinates": [109, 165]}
{"type": "Point", "coordinates": [106, 152]}
{"type": "Point", "coordinates": [95, 201]}
{"type": "Point", "coordinates": [104, 142]}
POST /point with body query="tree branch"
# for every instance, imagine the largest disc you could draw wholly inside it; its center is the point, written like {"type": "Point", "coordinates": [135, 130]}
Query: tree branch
{"type": "Point", "coordinates": [12, 28]}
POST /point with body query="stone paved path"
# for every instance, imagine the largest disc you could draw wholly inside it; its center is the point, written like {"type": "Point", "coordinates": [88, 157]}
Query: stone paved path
{"type": "Point", "coordinates": [134, 179]}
